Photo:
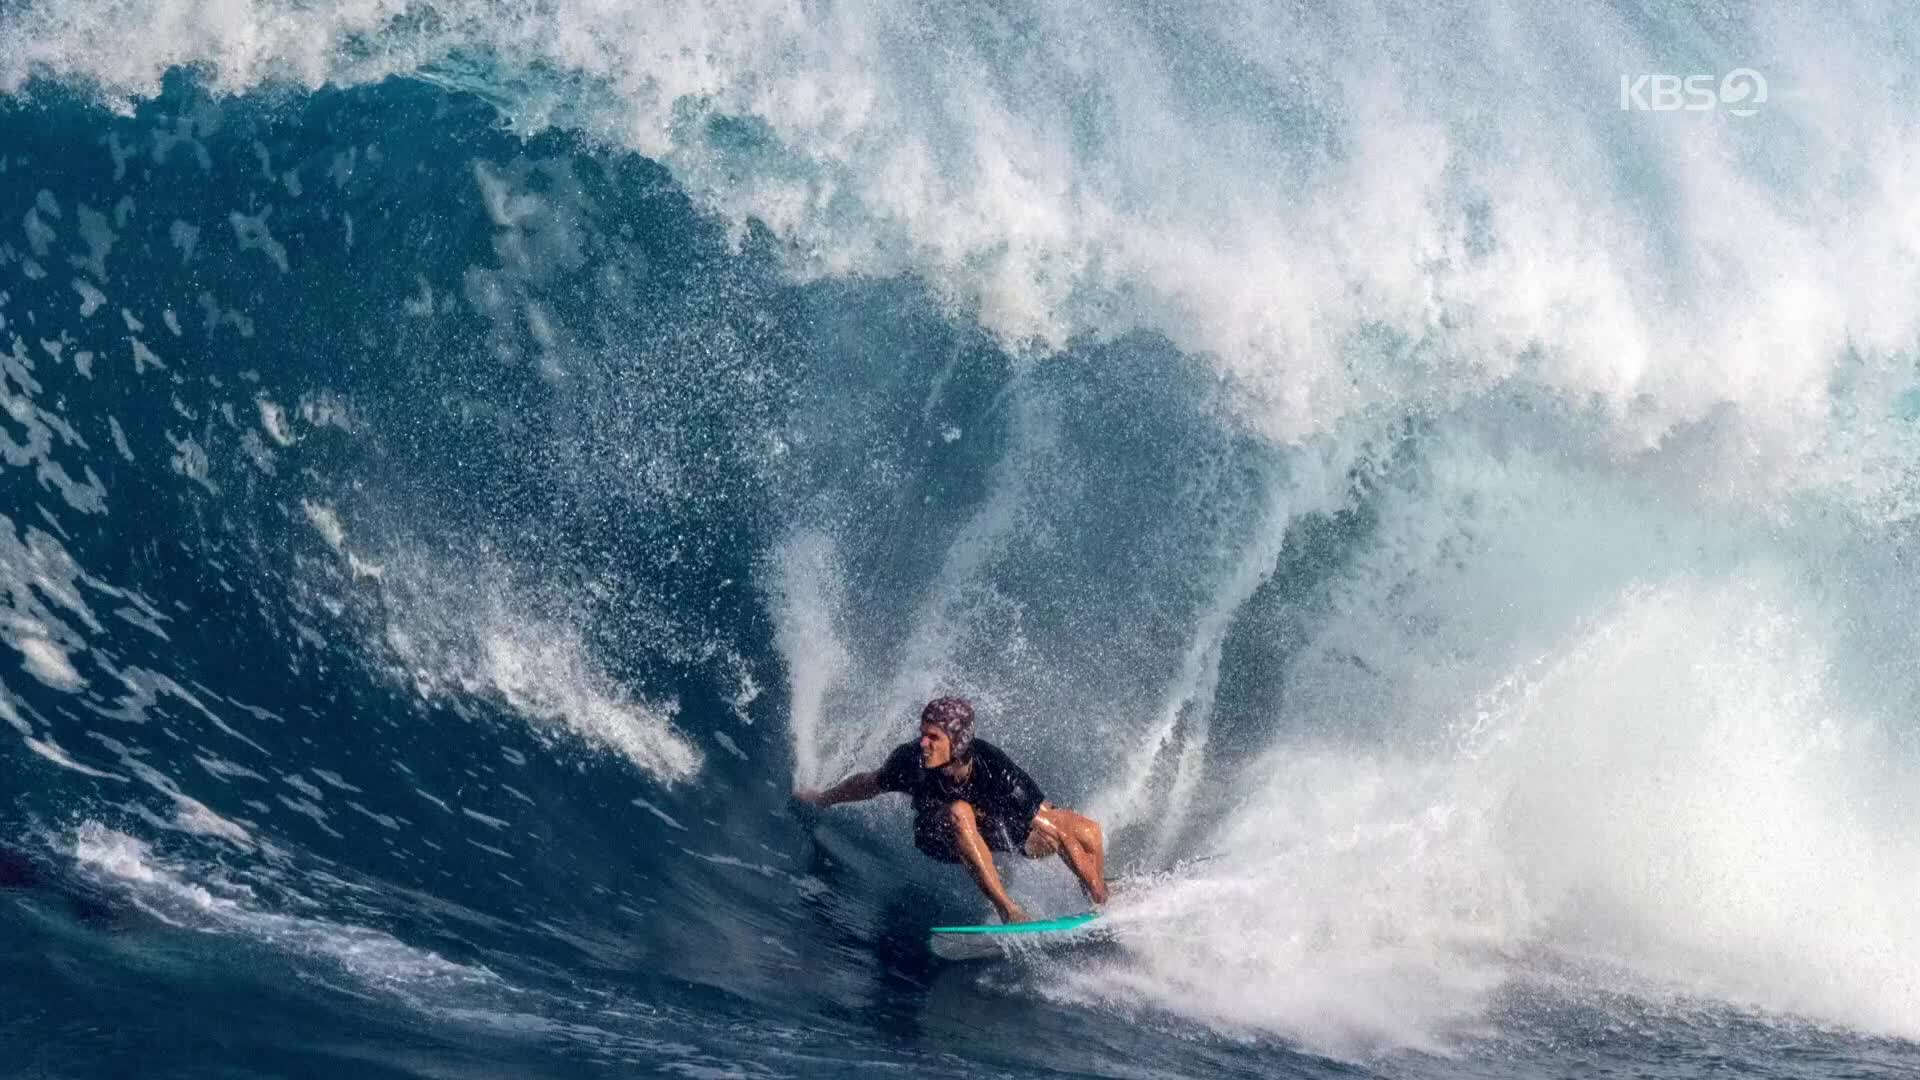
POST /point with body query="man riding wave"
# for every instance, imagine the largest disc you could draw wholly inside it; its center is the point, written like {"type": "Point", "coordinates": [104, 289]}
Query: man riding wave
{"type": "Point", "coordinates": [970, 800]}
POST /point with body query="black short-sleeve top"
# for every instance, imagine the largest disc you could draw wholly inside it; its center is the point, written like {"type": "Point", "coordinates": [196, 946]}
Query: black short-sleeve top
{"type": "Point", "coordinates": [996, 788]}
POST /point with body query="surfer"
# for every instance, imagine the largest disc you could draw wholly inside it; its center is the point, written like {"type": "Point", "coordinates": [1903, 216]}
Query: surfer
{"type": "Point", "coordinates": [970, 800]}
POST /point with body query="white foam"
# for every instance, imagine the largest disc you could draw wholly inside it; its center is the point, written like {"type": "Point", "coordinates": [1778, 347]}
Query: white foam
{"type": "Point", "coordinates": [119, 437]}
{"type": "Point", "coordinates": [308, 810]}
{"type": "Point", "coordinates": [252, 233]}
{"type": "Point", "coordinates": [90, 297]}
{"type": "Point", "coordinates": [10, 712]}
{"type": "Point", "coordinates": [1505, 744]}
{"type": "Point", "coordinates": [333, 779]}
{"type": "Point", "coordinates": [51, 750]}
{"type": "Point", "coordinates": [472, 631]}
{"type": "Point", "coordinates": [99, 238]}
{"type": "Point", "coordinates": [726, 742]}
{"type": "Point", "coordinates": [805, 601]}
{"type": "Point", "coordinates": [326, 523]}
{"type": "Point", "coordinates": [273, 420]}
{"type": "Point", "coordinates": [144, 358]}
{"type": "Point", "coordinates": [385, 821]}
{"type": "Point", "coordinates": [39, 584]}
{"type": "Point", "coordinates": [225, 769]}
{"type": "Point", "coordinates": [169, 891]}
{"type": "Point", "coordinates": [490, 849]}
{"type": "Point", "coordinates": [48, 662]}
{"type": "Point", "coordinates": [543, 672]}
{"type": "Point", "coordinates": [191, 815]}
{"type": "Point", "coordinates": [1180, 732]}
{"type": "Point", "coordinates": [190, 459]}
{"type": "Point", "coordinates": [659, 813]}
{"type": "Point", "coordinates": [1482, 214]}
{"type": "Point", "coordinates": [305, 787]}
{"type": "Point", "coordinates": [488, 820]}
{"type": "Point", "coordinates": [143, 689]}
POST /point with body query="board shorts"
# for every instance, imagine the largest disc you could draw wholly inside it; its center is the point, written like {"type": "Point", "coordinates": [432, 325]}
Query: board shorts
{"type": "Point", "coordinates": [933, 834]}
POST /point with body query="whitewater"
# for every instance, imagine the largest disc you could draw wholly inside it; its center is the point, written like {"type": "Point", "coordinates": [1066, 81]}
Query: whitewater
{"type": "Point", "coordinates": [1438, 483]}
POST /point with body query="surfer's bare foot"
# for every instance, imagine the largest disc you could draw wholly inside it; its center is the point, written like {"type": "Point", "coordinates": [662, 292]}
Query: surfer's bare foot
{"type": "Point", "coordinates": [1014, 913]}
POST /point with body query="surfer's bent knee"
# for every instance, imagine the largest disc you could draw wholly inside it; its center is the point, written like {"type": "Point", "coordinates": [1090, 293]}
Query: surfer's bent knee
{"type": "Point", "coordinates": [1043, 837]}
{"type": "Point", "coordinates": [1068, 826]}
{"type": "Point", "coordinates": [1094, 835]}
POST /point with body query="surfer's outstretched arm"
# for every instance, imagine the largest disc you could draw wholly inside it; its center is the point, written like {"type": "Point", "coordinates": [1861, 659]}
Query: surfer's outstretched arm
{"type": "Point", "coordinates": [856, 788]}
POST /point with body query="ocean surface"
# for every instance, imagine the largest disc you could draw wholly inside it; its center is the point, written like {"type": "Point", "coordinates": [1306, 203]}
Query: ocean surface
{"type": "Point", "coordinates": [1439, 482]}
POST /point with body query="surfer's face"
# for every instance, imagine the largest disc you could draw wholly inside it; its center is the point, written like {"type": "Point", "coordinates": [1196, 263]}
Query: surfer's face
{"type": "Point", "coordinates": [936, 747]}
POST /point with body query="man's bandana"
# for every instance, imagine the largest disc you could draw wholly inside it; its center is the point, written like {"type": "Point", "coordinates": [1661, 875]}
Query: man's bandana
{"type": "Point", "coordinates": [955, 717]}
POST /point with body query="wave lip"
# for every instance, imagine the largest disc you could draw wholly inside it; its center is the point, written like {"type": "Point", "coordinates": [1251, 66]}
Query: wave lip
{"type": "Point", "coordinates": [240, 47]}
{"type": "Point", "coordinates": [1465, 210]}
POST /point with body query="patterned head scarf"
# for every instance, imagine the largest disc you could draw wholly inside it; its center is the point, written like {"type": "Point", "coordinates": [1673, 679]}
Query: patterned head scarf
{"type": "Point", "coordinates": [955, 717]}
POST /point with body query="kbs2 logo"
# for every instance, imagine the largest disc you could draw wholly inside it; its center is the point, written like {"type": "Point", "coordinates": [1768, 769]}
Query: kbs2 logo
{"type": "Point", "coordinates": [1738, 92]}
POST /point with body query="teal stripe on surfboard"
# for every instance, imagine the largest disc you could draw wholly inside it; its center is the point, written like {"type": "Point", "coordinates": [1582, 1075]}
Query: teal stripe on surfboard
{"type": "Point", "coordinates": [1069, 922]}
{"type": "Point", "coordinates": [987, 942]}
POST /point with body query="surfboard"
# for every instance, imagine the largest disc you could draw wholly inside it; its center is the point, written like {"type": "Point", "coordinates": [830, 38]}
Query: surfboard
{"type": "Point", "coordinates": [985, 942]}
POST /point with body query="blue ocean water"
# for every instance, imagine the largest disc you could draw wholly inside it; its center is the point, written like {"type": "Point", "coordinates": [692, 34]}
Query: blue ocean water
{"type": "Point", "coordinates": [1450, 519]}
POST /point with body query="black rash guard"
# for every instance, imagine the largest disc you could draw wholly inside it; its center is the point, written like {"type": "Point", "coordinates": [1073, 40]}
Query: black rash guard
{"type": "Point", "coordinates": [1004, 798]}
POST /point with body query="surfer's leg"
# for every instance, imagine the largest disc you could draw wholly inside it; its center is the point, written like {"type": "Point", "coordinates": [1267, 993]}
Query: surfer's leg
{"type": "Point", "coordinates": [1076, 838]}
{"type": "Point", "coordinates": [972, 849]}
